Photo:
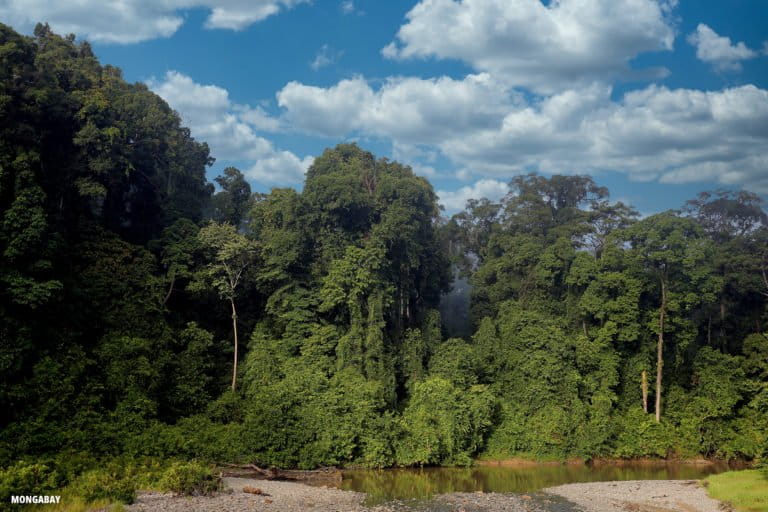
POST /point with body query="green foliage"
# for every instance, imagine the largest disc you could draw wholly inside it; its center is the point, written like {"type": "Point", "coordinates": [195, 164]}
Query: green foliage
{"type": "Point", "coordinates": [123, 278]}
{"type": "Point", "coordinates": [640, 436]}
{"type": "Point", "coordinates": [443, 424]}
{"type": "Point", "coordinates": [112, 482]}
{"type": "Point", "coordinates": [28, 479]}
{"type": "Point", "coordinates": [190, 479]}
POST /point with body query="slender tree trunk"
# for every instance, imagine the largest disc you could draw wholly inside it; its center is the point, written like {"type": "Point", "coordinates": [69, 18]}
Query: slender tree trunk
{"type": "Point", "coordinates": [645, 391]}
{"type": "Point", "coordinates": [722, 322]}
{"type": "Point", "coordinates": [584, 326]}
{"type": "Point", "coordinates": [234, 329]}
{"type": "Point", "coordinates": [170, 291]}
{"type": "Point", "coordinates": [660, 348]}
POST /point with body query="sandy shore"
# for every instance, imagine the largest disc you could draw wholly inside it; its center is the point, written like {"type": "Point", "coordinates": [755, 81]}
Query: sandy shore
{"type": "Point", "coordinates": [277, 496]}
{"type": "Point", "coordinates": [632, 496]}
{"type": "Point", "coordinates": [638, 496]}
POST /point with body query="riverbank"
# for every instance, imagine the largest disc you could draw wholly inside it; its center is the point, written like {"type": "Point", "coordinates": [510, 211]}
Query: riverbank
{"type": "Point", "coordinates": [634, 496]}
{"type": "Point", "coordinates": [596, 462]}
{"type": "Point", "coordinates": [638, 496]}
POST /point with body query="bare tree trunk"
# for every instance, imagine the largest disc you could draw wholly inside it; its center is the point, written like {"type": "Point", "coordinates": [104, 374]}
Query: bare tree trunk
{"type": "Point", "coordinates": [645, 391]}
{"type": "Point", "coordinates": [234, 329]}
{"type": "Point", "coordinates": [660, 348]}
{"type": "Point", "coordinates": [170, 291]}
{"type": "Point", "coordinates": [584, 326]}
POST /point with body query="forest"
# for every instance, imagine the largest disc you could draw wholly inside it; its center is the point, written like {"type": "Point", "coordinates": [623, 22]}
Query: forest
{"type": "Point", "coordinates": [146, 312]}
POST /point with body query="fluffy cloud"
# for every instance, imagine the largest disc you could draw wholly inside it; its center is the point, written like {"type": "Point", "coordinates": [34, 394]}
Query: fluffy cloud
{"type": "Point", "coordinates": [653, 133]}
{"type": "Point", "coordinates": [457, 200]}
{"type": "Point", "coordinates": [543, 46]}
{"type": "Point", "coordinates": [673, 135]}
{"type": "Point", "coordinates": [229, 129]}
{"type": "Point", "coordinates": [718, 50]}
{"type": "Point", "coordinates": [132, 21]}
{"type": "Point", "coordinates": [427, 111]}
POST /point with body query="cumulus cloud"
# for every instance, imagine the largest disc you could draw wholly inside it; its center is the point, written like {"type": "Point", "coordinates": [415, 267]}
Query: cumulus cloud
{"type": "Point", "coordinates": [485, 129]}
{"type": "Point", "coordinates": [456, 200]}
{"type": "Point", "coordinates": [532, 44]}
{"type": "Point", "coordinates": [135, 20]}
{"type": "Point", "coordinates": [719, 50]}
{"type": "Point", "coordinates": [426, 110]}
{"type": "Point", "coordinates": [229, 129]}
{"type": "Point", "coordinates": [676, 136]}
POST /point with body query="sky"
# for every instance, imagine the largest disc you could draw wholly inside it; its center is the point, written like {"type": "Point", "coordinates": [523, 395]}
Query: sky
{"type": "Point", "coordinates": [656, 99]}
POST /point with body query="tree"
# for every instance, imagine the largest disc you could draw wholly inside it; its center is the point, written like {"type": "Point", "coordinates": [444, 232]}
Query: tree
{"type": "Point", "coordinates": [675, 255]}
{"type": "Point", "coordinates": [230, 254]}
{"type": "Point", "coordinates": [232, 203]}
{"type": "Point", "coordinates": [177, 247]}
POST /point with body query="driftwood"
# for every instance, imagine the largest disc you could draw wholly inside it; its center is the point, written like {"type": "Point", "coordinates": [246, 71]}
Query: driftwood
{"type": "Point", "coordinates": [254, 471]}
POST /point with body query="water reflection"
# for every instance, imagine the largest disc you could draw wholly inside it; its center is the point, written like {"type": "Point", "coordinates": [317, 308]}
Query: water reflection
{"type": "Point", "coordinates": [389, 484]}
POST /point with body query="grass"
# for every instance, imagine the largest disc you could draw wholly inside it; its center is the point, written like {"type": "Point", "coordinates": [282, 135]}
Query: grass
{"type": "Point", "coordinates": [745, 491]}
{"type": "Point", "coordinates": [77, 504]}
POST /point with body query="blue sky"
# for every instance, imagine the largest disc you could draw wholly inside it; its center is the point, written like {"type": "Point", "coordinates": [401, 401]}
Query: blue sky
{"type": "Point", "coordinates": [658, 99]}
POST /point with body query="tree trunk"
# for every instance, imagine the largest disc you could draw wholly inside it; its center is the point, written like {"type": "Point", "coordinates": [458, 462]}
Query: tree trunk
{"type": "Point", "coordinates": [645, 391]}
{"type": "Point", "coordinates": [170, 291]}
{"type": "Point", "coordinates": [722, 322]}
{"type": "Point", "coordinates": [234, 329]}
{"type": "Point", "coordinates": [660, 348]}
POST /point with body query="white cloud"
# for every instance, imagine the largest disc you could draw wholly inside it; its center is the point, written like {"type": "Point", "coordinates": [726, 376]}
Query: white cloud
{"type": "Point", "coordinates": [427, 111]}
{"type": "Point", "coordinates": [542, 46]}
{"type": "Point", "coordinates": [229, 129]}
{"type": "Point", "coordinates": [325, 57]}
{"type": "Point", "coordinates": [487, 130]}
{"type": "Point", "coordinates": [674, 135]}
{"type": "Point", "coordinates": [456, 200]}
{"type": "Point", "coordinates": [132, 21]}
{"type": "Point", "coordinates": [718, 50]}
{"type": "Point", "coordinates": [258, 118]}
{"type": "Point", "coordinates": [281, 167]}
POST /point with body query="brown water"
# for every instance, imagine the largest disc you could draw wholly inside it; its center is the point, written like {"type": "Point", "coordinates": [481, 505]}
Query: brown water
{"type": "Point", "coordinates": [406, 484]}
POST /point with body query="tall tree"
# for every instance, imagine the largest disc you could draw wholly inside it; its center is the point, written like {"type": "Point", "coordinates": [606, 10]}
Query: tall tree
{"type": "Point", "coordinates": [675, 255]}
{"type": "Point", "coordinates": [230, 254]}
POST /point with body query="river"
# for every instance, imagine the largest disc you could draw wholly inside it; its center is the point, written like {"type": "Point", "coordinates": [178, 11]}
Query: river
{"type": "Point", "coordinates": [408, 484]}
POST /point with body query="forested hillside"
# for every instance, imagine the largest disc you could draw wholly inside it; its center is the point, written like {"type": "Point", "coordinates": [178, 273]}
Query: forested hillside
{"type": "Point", "coordinates": [146, 311]}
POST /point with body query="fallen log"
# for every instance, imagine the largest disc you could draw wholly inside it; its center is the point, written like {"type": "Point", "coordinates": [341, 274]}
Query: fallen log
{"type": "Point", "coordinates": [314, 475]}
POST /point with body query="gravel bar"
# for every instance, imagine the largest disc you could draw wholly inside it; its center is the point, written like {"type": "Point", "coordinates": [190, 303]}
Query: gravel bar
{"type": "Point", "coordinates": [631, 496]}
{"type": "Point", "coordinates": [639, 496]}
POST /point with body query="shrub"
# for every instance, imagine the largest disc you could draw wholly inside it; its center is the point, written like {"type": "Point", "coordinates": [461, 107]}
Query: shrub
{"type": "Point", "coordinates": [191, 479]}
{"type": "Point", "coordinates": [640, 436]}
{"type": "Point", "coordinates": [443, 424]}
{"type": "Point", "coordinates": [27, 478]}
{"type": "Point", "coordinates": [113, 482]}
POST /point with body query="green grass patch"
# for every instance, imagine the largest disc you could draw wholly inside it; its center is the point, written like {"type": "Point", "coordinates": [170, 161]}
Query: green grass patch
{"type": "Point", "coordinates": [745, 491]}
